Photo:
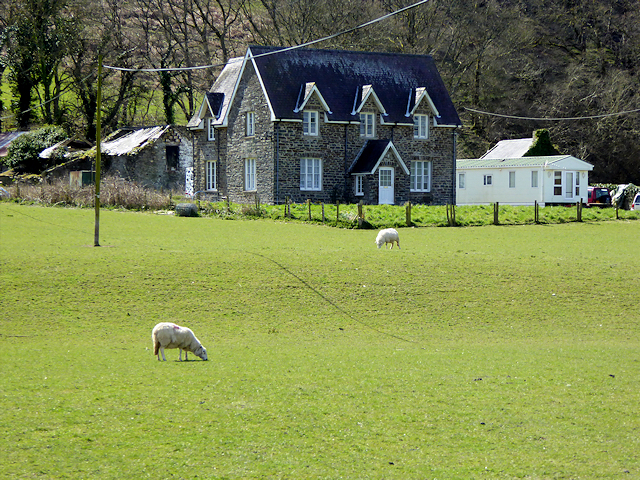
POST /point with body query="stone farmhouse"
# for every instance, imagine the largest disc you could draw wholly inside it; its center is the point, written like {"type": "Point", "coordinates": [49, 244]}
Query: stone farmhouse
{"type": "Point", "coordinates": [327, 126]}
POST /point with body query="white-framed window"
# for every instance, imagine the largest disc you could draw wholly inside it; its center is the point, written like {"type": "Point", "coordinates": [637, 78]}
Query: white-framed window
{"type": "Point", "coordinates": [534, 179]}
{"type": "Point", "coordinates": [310, 174]}
{"type": "Point", "coordinates": [211, 131]}
{"type": "Point", "coordinates": [421, 126]}
{"type": "Point", "coordinates": [367, 125]}
{"type": "Point", "coordinates": [251, 124]}
{"type": "Point", "coordinates": [461, 180]}
{"type": "Point", "coordinates": [420, 176]}
{"type": "Point", "coordinates": [249, 174]}
{"type": "Point", "coordinates": [210, 175]}
{"type": "Point", "coordinates": [488, 179]}
{"type": "Point", "coordinates": [359, 185]}
{"type": "Point", "coordinates": [577, 184]}
{"type": "Point", "coordinates": [557, 183]}
{"type": "Point", "coordinates": [310, 122]}
{"type": "Point", "coordinates": [512, 179]}
{"type": "Point", "coordinates": [569, 184]}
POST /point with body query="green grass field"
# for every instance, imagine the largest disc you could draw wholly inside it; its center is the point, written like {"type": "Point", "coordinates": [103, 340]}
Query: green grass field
{"type": "Point", "coordinates": [481, 352]}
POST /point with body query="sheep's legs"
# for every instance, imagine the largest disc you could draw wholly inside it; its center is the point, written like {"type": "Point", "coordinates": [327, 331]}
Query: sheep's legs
{"type": "Point", "coordinates": [161, 352]}
{"type": "Point", "coordinates": [186, 358]}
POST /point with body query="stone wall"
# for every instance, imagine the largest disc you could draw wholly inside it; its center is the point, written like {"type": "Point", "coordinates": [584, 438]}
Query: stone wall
{"type": "Point", "coordinates": [279, 146]}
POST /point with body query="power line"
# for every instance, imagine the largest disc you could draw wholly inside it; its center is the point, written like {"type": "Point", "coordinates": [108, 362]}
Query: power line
{"type": "Point", "coordinates": [286, 49]}
{"type": "Point", "coordinates": [552, 119]}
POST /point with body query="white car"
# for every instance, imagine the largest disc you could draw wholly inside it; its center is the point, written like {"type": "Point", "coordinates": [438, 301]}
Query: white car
{"type": "Point", "coordinates": [635, 205]}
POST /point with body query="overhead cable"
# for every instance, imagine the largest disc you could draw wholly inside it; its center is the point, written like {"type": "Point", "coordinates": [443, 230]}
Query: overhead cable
{"type": "Point", "coordinates": [552, 119]}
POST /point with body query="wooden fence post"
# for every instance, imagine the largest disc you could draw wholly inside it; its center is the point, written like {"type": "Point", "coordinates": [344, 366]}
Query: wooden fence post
{"type": "Point", "coordinates": [337, 211]}
{"type": "Point", "coordinates": [309, 205]}
{"type": "Point", "coordinates": [408, 214]}
{"type": "Point", "coordinates": [496, 210]}
{"type": "Point", "coordinates": [322, 203]}
{"type": "Point", "coordinates": [579, 211]}
{"type": "Point", "coordinates": [451, 215]}
{"type": "Point", "coordinates": [536, 212]}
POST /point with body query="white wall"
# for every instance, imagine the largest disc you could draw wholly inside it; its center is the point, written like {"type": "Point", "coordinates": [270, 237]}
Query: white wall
{"type": "Point", "coordinates": [476, 192]}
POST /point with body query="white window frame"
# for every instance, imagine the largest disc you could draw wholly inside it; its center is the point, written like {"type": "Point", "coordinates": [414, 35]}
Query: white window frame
{"type": "Point", "coordinates": [249, 174]}
{"type": "Point", "coordinates": [420, 176]}
{"type": "Point", "coordinates": [210, 175]}
{"type": "Point", "coordinates": [534, 179]}
{"type": "Point", "coordinates": [421, 126]}
{"type": "Point", "coordinates": [557, 183]}
{"type": "Point", "coordinates": [488, 180]}
{"type": "Point", "coordinates": [311, 174]}
{"type": "Point", "coordinates": [211, 131]}
{"type": "Point", "coordinates": [512, 179]}
{"type": "Point", "coordinates": [359, 185]}
{"type": "Point", "coordinates": [310, 123]}
{"type": "Point", "coordinates": [368, 125]}
{"type": "Point", "coordinates": [251, 124]}
{"type": "Point", "coordinates": [462, 177]}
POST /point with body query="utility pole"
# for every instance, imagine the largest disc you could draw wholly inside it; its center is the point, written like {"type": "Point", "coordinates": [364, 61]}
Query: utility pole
{"type": "Point", "coordinates": [96, 239]}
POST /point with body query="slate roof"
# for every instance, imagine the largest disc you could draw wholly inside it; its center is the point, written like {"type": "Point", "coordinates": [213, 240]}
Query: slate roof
{"type": "Point", "coordinates": [132, 142]}
{"type": "Point", "coordinates": [370, 156]}
{"type": "Point", "coordinates": [509, 148]}
{"type": "Point", "coordinates": [342, 77]}
{"type": "Point", "coordinates": [219, 96]}
{"type": "Point", "coordinates": [553, 161]}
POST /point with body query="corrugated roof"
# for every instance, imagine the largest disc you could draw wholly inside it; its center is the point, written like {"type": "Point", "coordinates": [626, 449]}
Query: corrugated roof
{"type": "Point", "coordinates": [510, 148]}
{"type": "Point", "coordinates": [5, 140]}
{"type": "Point", "coordinates": [341, 75]}
{"type": "Point", "coordinates": [134, 141]}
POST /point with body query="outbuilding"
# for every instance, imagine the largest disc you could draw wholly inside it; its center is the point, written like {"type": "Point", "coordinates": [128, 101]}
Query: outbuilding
{"type": "Point", "coordinates": [554, 180]}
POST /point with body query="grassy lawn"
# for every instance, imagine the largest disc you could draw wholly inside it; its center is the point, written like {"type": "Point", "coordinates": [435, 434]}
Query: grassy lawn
{"type": "Point", "coordinates": [480, 352]}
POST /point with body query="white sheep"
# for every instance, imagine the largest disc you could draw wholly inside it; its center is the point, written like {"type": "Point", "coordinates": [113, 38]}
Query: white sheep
{"type": "Point", "coordinates": [170, 335]}
{"type": "Point", "coordinates": [388, 235]}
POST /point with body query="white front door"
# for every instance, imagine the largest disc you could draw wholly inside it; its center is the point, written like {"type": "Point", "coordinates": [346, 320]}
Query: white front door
{"type": "Point", "coordinates": [385, 193]}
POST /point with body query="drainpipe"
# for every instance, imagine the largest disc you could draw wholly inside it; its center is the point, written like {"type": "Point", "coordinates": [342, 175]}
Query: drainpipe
{"type": "Point", "coordinates": [453, 186]}
{"type": "Point", "coordinates": [277, 202]}
{"type": "Point", "coordinates": [346, 159]}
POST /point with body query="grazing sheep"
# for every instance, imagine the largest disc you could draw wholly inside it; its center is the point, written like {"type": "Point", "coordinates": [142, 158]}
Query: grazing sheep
{"type": "Point", "coordinates": [170, 335]}
{"type": "Point", "coordinates": [388, 235]}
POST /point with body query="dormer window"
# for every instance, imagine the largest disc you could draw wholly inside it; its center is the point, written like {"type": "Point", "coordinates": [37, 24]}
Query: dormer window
{"type": "Point", "coordinates": [310, 122]}
{"type": "Point", "coordinates": [421, 126]}
{"type": "Point", "coordinates": [211, 132]}
{"type": "Point", "coordinates": [367, 125]}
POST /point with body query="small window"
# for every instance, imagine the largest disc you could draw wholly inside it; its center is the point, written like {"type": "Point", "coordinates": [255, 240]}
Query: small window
{"type": "Point", "coordinates": [577, 184]}
{"type": "Point", "coordinates": [311, 174]}
{"type": "Point", "coordinates": [420, 176]}
{"type": "Point", "coordinates": [359, 185]}
{"type": "Point", "coordinates": [211, 131]}
{"type": "Point", "coordinates": [461, 180]}
{"type": "Point", "coordinates": [367, 125]}
{"type": "Point", "coordinates": [173, 157]}
{"type": "Point", "coordinates": [310, 123]}
{"type": "Point", "coordinates": [421, 126]}
{"type": "Point", "coordinates": [250, 174]}
{"type": "Point", "coordinates": [557, 183]}
{"type": "Point", "coordinates": [488, 179]}
{"type": "Point", "coordinates": [251, 124]}
{"type": "Point", "coordinates": [210, 174]}
{"type": "Point", "coordinates": [512, 179]}
{"type": "Point", "coordinates": [534, 179]}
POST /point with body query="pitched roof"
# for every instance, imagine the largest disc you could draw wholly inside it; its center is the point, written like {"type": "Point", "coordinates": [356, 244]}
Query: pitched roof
{"type": "Point", "coordinates": [370, 156]}
{"type": "Point", "coordinates": [132, 142]}
{"type": "Point", "coordinates": [5, 140]}
{"type": "Point", "coordinates": [509, 148]}
{"type": "Point", "coordinates": [345, 78]}
{"type": "Point", "coordinates": [556, 162]}
{"type": "Point", "coordinates": [216, 102]}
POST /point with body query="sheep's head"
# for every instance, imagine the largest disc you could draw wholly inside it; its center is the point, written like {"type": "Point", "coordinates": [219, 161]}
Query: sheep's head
{"type": "Point", "coordinates": [201, 352]}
